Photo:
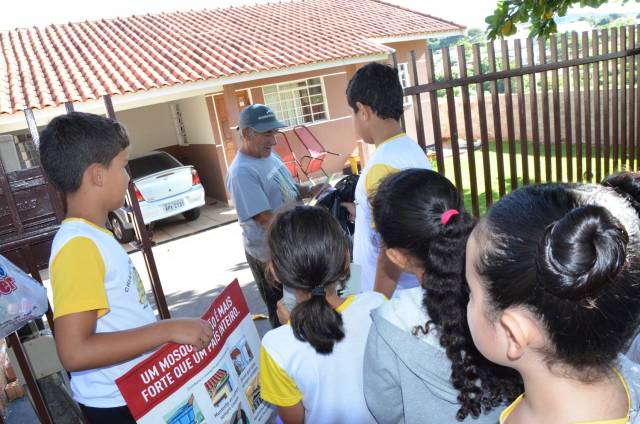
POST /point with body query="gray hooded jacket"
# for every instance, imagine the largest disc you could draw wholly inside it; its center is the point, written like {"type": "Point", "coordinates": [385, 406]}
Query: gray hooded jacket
{"type": "Point", "coordinates": [407, 378]}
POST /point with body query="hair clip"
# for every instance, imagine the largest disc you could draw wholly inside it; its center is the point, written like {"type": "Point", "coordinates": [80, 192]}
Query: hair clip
{"type": "Point", "coordinates": [447, 215]}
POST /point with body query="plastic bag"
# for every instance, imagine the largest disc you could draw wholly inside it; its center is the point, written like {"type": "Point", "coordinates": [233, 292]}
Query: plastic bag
{"type": "Point", "coordinates": [22, 299]}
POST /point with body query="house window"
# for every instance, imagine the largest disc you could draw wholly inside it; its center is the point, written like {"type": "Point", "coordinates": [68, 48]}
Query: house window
{"type": "Point", "coordinates": [28, 152]}
{"type": "Point", "coordinates": [297, 102]}
{"type": "Point", "coordinates": [403, 74]}
{"type": "Point", "coordinates": [405, 81]}
{"type": "Point", "coordinates": [18, 152]}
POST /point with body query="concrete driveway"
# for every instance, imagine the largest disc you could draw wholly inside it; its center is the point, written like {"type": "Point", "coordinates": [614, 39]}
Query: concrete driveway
{"type": "Point", "coordinates": [194, 269]}
{"type": "Point", "coordinates": [213, 214]}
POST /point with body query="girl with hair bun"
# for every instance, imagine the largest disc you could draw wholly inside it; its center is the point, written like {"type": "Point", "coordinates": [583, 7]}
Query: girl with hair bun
{"type": "Point", "coordinates": [554, 279]}
{"type": "Point", "coordinates": [628, 184]}
{"type": "Point", "coordinates": [311, 368]}
{"type": "Point", "coordinates": [420, 362]}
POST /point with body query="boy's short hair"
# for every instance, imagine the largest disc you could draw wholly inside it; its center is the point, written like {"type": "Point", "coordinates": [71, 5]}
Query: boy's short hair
{"type": "Point", "coordinates": [378, 87]}
{"type": "Point", "coordinates": [72, 142]}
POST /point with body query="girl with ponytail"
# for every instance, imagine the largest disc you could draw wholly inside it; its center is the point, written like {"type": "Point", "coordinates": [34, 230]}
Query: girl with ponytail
{"type": "Point", "coordinates": [554, 278]}
{"type": "Point", "coordinates": [311, 367]}
{"type": "Point", "coordinates": [421, 365]}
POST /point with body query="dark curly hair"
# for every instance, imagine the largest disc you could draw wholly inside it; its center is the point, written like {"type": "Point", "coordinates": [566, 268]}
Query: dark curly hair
{"type": "Point", "coordinates": [407, 211]}
{"type": "Point", "coordinates": [310, 251]}
{"type": "Point", "coordinates": [573, 259]}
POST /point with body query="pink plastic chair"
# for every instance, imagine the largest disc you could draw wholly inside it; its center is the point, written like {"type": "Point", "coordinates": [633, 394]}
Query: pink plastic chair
{"type": "Point", "coordinates": [316, 150]}
{"type": "Point", "coordinates": [283, 149]}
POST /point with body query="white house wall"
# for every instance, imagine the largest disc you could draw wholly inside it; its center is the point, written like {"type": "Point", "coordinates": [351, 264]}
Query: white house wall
{"type": "Point", "coordinates": [196, 120]}
{"type": "Point", "coordinates": [149, 127]}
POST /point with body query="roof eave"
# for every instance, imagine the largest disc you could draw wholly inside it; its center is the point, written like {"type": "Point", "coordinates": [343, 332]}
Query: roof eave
{"type": "Point", "coordinates": [416, 37]}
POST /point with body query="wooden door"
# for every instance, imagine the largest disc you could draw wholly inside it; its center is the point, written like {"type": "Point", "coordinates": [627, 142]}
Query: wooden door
{"type": "Point", "coordinates": [230, 148]}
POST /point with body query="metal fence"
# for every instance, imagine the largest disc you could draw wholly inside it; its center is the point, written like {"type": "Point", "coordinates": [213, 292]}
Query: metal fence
{"type": "Point", "coordinates": [563, 109]}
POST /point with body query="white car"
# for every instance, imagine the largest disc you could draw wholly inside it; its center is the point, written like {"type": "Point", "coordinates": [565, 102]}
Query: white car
{"type": "Point", "coordinates": [164, 188]}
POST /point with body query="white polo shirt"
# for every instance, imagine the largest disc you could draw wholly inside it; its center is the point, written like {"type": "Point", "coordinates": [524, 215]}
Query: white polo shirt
{"type": "Point", "coordinates": [396, 154]}
{"type": "Point", "coordinates": [329, 386]}
{"type": "Point", "coordinates": [91, 271]}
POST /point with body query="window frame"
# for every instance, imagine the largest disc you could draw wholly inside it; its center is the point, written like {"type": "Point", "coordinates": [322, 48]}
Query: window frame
{"type": "Point", "coordinates": [407, 100]}
{"type": "Point", "coordinates": [299, 119]}
{"type": "Point", "coordinates": [26, 151]}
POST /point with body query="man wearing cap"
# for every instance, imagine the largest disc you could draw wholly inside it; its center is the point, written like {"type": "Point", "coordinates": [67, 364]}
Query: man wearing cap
{"type": "Point", "coordinates": [260, 184]}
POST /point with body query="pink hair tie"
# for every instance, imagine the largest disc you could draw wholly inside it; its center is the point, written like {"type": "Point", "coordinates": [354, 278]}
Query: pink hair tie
{"type": "Point", "coordinates": [447, 215]}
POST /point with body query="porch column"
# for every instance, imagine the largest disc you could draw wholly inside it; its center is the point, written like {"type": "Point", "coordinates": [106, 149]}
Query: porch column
{"type": "Point", "coordinates": [233, 111]}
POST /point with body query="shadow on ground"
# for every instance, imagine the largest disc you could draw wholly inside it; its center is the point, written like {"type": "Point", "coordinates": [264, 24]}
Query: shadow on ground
{"type": "Point", "coordinates": [191, 303]}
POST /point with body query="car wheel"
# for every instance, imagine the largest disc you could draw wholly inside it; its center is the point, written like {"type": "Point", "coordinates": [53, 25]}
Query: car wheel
{"type": "Point", "coordinates": [192, 214]}
{"type": "Point", "coordinates": [122, 234]}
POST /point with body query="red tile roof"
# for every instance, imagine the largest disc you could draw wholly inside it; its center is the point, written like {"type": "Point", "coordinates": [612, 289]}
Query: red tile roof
{"type": "Point", "coordinates": [41, 67]}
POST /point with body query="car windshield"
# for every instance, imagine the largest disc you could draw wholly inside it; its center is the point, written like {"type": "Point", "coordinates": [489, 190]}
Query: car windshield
{"type": "Point", "coordinates": [147, 165]}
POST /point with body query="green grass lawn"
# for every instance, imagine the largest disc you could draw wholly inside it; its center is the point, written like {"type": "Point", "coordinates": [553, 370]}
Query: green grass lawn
{"type": "Point", "coordinates": [493, 168]}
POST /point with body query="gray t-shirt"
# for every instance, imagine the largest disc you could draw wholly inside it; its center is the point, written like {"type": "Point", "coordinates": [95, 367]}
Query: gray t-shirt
{"type": "Point", "coordinates": [258, 185]}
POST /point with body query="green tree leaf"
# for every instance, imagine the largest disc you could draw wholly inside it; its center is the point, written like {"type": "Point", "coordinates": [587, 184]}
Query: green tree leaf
{"type": "Point", "coordinates": [540, 13]}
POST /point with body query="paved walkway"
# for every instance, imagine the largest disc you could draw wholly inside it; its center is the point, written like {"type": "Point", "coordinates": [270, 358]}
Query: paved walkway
{"type": "Point", "coordinates": [194, 269]}
{"type": "Point", "coordinates": [212, 215]}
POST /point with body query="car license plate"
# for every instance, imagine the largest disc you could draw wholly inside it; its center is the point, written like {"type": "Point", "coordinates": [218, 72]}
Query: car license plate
{"type": "Point", "coordinates": [174, 206]}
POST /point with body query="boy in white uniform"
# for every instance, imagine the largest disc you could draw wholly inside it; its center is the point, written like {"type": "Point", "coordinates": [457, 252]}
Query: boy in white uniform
{"type": "Point", "coordinates": [102, 318]}
{"type": "Point", "coordinates": [375, 95]}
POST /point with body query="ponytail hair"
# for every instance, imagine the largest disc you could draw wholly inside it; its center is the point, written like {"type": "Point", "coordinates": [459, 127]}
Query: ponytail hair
{"type": "Point", "coordinates": [310, 252]}
{"type": "Point", "coordinates": [316, 322]}
{"type": "Point", "coordinates": [422, 213]}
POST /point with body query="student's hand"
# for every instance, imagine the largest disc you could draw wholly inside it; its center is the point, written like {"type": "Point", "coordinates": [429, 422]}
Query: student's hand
{"type": "Point", "coordinates": [292, 414]}
{"type": "Point", "coordinates": [351, 207]}
{"type": "Point", "coordinates": [191, 331]}
{"type": "Point", "coordinates": [283, 312]}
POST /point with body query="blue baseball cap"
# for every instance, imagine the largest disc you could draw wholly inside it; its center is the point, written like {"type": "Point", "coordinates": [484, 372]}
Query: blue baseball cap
{"type": "Point", "coordinates": [259, 117]}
